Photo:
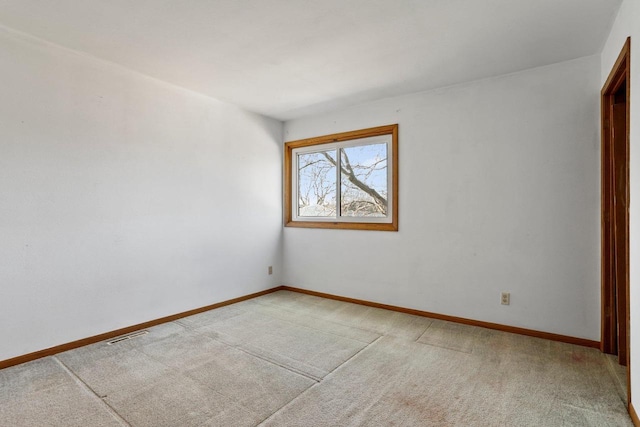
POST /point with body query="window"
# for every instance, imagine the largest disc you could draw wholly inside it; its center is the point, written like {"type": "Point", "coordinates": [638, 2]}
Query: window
{"type": "Point", "coordinates": [347, 180]}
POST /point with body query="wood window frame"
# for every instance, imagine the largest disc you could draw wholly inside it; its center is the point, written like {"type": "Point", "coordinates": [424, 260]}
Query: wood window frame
{"type": "Point", "coordinates": [289, 164]}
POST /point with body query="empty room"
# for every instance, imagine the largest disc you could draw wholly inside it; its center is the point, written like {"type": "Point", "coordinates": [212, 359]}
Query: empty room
{"type": "Point", "coordinates": [319, 213]}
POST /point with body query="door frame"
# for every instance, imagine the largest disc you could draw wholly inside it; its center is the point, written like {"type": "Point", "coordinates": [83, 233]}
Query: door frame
{"type": "Point", "coordinates": [620, 74]}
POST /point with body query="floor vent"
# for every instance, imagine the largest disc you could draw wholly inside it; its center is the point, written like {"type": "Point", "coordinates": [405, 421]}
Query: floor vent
{"type": "Point", "coordinates": [127, 337]}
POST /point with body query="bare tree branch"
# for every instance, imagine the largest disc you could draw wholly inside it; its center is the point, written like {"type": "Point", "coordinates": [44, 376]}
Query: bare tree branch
{"type": "Point", "coordinates": [347, 170]}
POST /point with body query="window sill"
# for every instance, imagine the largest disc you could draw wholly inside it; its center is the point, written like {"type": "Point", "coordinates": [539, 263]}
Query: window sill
{"type": "Point", "coordinates": [380, 226]}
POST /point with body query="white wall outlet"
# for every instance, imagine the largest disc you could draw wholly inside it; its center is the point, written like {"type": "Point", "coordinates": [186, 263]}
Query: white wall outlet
{"type": "Point", "coordinates": [270, 270]}
{"type": "Point", "coordinates": [505, 298]}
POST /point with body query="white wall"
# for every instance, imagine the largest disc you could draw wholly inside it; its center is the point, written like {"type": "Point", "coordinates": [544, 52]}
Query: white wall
{"type": "Point", "coordinates": [499, 191]}
{"type": "Point", "coordinates": [627, 24]}
{"type": "Point", "coordinates": [124, 199]}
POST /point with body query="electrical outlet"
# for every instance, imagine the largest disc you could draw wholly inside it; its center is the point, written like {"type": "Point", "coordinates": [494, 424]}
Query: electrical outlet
{"type": "Point", "coordinates": [505, 298]}
{"type": "Point", "coordinates": [270, 270]}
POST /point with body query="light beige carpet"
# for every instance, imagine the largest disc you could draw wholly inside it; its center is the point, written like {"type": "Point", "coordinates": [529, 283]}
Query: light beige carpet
{"type": "Point", "coordinates": [289, 359]}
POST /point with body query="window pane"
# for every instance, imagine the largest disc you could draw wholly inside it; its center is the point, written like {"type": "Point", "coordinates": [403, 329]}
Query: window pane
{"type": "Point", "coordinates": [364, 181]}
{"type": "Point", "coordinates": [317, 184]}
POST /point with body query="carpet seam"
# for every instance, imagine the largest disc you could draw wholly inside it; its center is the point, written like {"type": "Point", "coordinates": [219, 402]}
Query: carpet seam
{"type": "Point", "coordinates": [354, 356]}
{"type": "Point", "coordinates": [327, 332]}
{"type": "Point", "coordinates": [185, 373]}
{"type": "Point", "coordinates": [258, 356]}
{"type": "Point", "coordinates": [92, 392]}
{"type": "Point", "coordinates": [417, 340]}
{"type": "Point", "coordinates": [286, 404]}
{"type": "Point", "coordinates": [271, 305]}
{"type": "Point", "coordinates": [320, 330]}
{"type": "Point", "coordinates": [184, 324]}
{"type": "Point", "coordinates": [320, 382]}
{"type": "Point", "coordinates": [443, 347]}
{"type": "Point", "coordinates": [274, 305]}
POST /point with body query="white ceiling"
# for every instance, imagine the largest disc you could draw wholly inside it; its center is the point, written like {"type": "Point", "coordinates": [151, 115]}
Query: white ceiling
{"type": "Point", "coordinates": [288, 58]}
